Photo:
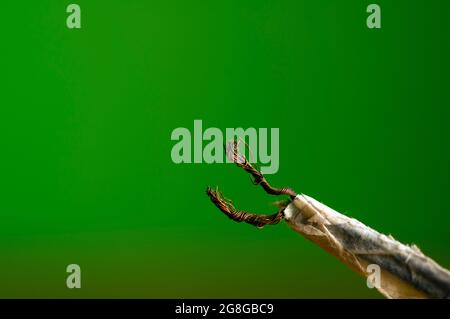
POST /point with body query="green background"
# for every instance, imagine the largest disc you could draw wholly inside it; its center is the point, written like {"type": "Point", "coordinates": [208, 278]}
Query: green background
{"type": "Point", "coordinates": [86, 117]}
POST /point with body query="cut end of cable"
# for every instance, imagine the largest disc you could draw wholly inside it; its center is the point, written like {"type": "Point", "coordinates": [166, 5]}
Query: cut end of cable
{"type": "Point", "coordinates": [226, 205]}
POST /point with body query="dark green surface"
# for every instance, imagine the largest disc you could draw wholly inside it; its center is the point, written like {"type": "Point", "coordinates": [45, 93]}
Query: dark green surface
{"type": "Point", "coordinates": [86, 117]}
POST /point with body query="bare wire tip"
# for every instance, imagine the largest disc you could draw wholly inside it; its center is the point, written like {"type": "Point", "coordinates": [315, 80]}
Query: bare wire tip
{"type": "Point", "coordinates": [227, 207]}
{"type": "Point", "coordinates": [232, 151]}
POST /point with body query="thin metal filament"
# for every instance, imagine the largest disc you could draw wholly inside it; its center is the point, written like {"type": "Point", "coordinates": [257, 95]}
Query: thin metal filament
{"type": "Point", "coordinates": [227, 207]}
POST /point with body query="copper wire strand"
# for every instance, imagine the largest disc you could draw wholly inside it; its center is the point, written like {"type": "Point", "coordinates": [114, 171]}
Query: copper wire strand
{"type": "Point", "coordinates": [226, 205]}
{"type": "Point", "coordinates": [258, 178]}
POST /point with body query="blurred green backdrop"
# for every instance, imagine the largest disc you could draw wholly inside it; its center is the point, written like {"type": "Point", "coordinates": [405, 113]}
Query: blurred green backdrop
{"type": "Point", "coordinates": [85, 124]}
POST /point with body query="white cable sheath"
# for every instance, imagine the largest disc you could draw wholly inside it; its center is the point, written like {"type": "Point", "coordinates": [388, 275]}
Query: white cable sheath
{"type": "Point", "coordinates": [405, 271]}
